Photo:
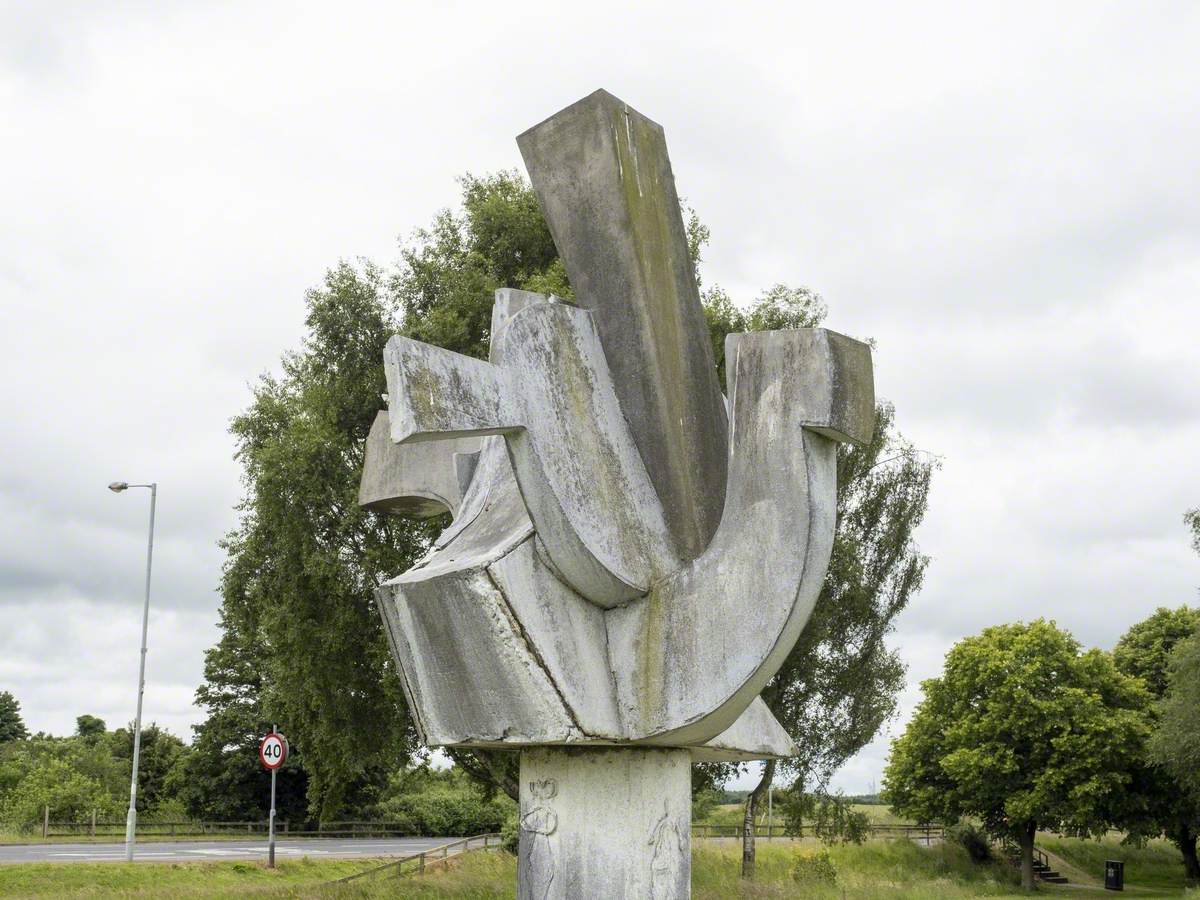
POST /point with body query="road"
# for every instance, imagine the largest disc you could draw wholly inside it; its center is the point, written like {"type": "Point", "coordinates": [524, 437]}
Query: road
{"type": "Point", "coordinates": [196, 851]}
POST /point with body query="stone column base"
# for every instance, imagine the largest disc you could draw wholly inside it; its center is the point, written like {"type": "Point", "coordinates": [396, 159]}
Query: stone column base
{"type": "Point", "coordinates": [600, 824]}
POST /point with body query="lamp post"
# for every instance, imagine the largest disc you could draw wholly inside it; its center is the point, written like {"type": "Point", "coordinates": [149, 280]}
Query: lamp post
{"type": "Point", "coordinates": [131, 819]}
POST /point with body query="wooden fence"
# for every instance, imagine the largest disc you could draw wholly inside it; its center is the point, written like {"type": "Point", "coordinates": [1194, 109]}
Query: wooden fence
{"type": "Point", "coordinates": [352, 829]}
{"type": "Point", "coordinates": [418, 862]}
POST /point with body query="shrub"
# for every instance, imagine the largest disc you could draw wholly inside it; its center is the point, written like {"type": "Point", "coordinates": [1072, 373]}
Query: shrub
{"type": "Point", "coordinates": [511, 834]}
{"type": "Point", "coordinates": [441, 802]}
{"type": "Point", "coordinates": [973, 839]}
{"type": "Point", "coordinates": [814, 868]}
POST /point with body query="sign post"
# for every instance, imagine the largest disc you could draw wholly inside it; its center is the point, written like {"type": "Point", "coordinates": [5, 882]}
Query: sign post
{"type": "Point", "coordinates": [273, 753]}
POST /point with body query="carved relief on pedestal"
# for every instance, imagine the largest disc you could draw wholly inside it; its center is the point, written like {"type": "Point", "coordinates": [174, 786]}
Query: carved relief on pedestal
{"type": "Point", "coordinates": [537, 850]}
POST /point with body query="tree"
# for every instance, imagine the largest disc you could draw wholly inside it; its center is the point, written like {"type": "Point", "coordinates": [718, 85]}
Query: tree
{"type": "Point", "coordinates": [303, 563]}
{"type": "Point", "coordinates": [1022, 731]}
{"type": "Point", "coordinates": [12, 727]}
{"type": "Point", "coordinates": [221, 776]}
{"type": "Point", "coordinates": [1175, 745]}
{"type": "Point", "coordinates": [1168, 806]}
{"type": "Point", "coordinates": [89, 727]}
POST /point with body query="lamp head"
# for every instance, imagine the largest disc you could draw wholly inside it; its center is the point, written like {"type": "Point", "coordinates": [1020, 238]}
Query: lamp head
{"type": "Point", "coordinates": [117, 486]}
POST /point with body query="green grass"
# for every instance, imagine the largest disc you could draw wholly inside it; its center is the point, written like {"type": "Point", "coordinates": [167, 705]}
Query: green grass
{"type": "Point", "coordinates": [877, 870]}
{"type": "Point", "coordinates": [882, 869]}
{"type": "Point", "coordinates": [202, 879]}
{"type": "Point", "coordinates": [1157, 865]}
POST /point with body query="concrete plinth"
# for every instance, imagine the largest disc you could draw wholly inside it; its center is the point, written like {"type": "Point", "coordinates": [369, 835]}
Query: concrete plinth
{"type": "Point", "coordinates": [605, 824]}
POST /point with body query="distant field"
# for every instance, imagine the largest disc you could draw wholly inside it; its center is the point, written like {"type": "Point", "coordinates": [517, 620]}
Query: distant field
{"type": "Point", "coordinates": [731, 814]}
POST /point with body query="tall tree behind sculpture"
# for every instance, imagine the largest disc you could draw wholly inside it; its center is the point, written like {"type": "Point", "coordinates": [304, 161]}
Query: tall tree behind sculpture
{"type": "Point", "coordinates": [442, 294]}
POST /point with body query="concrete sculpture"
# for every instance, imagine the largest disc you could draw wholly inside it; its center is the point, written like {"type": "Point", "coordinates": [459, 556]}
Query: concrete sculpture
{"type": "Point", "coordinates": [632, 555]}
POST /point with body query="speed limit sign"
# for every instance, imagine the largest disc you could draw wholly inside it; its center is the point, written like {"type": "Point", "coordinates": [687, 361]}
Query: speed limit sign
{"type": "Point", "coordinates": [273, 750]}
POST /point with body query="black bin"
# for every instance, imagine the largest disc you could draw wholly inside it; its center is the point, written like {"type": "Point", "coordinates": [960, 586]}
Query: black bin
{"type": "Point", "coordinates": [1114, 875]}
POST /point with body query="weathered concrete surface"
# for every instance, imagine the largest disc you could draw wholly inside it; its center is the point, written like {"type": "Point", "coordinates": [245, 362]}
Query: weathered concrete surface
{"type": "Point", "coordinates": [551, 394]}
{"type": "Point", "coordinates": [756, 734]}
{"type": "Point", "coordinates": [605, 824]}
{"type": "Point", "coordinates": [604, 180]}
{"type": "Point", "coordinates": [419, 480]}
{"type": "Point", "coordinates": [692, 655]}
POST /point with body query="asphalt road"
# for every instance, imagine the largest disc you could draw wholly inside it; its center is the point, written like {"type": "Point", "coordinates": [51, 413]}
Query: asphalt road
{"type": "Point", "coordinates": [194, 851]}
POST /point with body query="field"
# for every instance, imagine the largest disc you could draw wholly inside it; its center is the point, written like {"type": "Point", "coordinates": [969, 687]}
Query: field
{"type": "Point", "coordinates": [731, 814]}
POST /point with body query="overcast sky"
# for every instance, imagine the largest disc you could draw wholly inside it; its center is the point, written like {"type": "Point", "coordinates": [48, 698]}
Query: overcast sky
{"type": "Point", "coordinates": [1007, 199]}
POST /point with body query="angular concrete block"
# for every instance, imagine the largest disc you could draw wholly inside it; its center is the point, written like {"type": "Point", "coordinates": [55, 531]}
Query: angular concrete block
{"type": "Point", "coordinates": [604, 180]}
{"type": "Point", "coordinates": [417, 480]}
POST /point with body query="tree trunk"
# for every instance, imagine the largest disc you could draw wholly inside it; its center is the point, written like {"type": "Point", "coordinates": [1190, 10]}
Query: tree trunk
{"type": "Point", "coordinates": [1185, 840]}
{"type": "Point", "coordinates": [1025, 839]}
{"type": "Point", "coordinates": [752, 802]}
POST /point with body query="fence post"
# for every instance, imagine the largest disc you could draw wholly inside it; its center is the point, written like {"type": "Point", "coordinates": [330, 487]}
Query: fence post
{"type": "Point", "coordinates": [45, 822]}
{"type": "Point", "coordinates": [92, 830]}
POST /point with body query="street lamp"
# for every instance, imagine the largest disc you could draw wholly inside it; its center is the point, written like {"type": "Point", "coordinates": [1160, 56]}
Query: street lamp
{"type": "Point", "coordinates": [131, 819]}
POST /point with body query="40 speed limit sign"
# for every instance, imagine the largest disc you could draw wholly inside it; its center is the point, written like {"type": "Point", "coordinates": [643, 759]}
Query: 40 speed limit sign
{"type": "Point", "coordinates": [273, 750]}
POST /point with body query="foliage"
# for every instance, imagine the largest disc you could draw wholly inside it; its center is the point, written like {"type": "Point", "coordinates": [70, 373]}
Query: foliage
{"type": "Point", "coordinates": [1145, 649]}
{"type": "Point", "coordinates": [222, 778]}
{"type": "Point", "coordinates": [12, 727]}
{"type": "Point", "coordinates": [1167, 797]}
{"type": "Point", "coordinates": [831, 818]}
{"type": "Point", "coordinates": [426, 801]}
{"type": "Point", "coordinates": [704, 804]}
{"type": "Point", "coordinates": [303, 562]}
{"type": "Point", "coordinates": [89, 727]}
{"type": "Point", "coordinates": [814, 866]}
{"type": "Point", "coordinates": [971, 838]}
{"type": "Point", "coordinates": [87, 772]}
{"type": "Point", "coordinates": [1175, 744]}
{"type": "Point", "coordinates": [1021, 731]}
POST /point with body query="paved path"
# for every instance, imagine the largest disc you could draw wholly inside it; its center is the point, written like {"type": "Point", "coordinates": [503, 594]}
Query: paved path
{"type": "Point", "coordinates": [182, 851]}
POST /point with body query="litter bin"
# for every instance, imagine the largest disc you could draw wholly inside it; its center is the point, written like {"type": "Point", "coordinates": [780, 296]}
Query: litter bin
{"type": "Point", "coordinates": [1114, 875]}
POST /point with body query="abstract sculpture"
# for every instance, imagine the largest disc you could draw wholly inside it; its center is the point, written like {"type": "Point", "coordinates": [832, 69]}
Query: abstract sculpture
{"type": "Point", "coordinates": [632, 555]}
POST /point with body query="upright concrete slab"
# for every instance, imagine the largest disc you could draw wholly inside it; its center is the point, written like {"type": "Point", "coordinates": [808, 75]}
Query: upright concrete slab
{"type": "Point", "coordinates": [628, 563]}
{"type": "Point", "coordinates": [605, 824]}
{"type": "Point", "coordinates": [602, 174]}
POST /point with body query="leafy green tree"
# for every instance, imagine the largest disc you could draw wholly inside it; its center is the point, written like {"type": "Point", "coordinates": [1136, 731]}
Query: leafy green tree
{"type": "Point", "coordinates": [70, 795]}
{"type": "Point", "coordinates": [160, 751]}
{"type": "Point", "coordinates": [89, 727]}
{"type": "Point", "coordinates": [1169, 807]}
{"type": "Point", "coordinates": [1022, 731]}
{"type": "Point", "coordinates": [221, 776]}
{"type": "Point", "coordinates": [302, 565]}
{"type": "Point", "coordinates": [12, 726]}
{"type": "Point", "coordinates": [1175, 743]}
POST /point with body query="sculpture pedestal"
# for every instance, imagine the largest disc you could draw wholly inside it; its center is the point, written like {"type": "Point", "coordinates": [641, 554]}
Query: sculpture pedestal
{"type": "Point", "coordinates": [605, 823]}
